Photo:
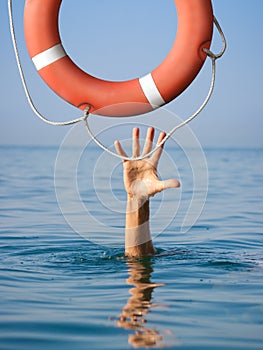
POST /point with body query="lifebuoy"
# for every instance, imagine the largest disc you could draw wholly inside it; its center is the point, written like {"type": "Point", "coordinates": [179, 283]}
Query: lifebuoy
{"type": "Point", "coordinates": [126, 98]}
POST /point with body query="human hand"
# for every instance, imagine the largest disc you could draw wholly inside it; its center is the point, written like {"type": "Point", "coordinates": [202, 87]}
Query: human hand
{"type": "Point", "coordinates": [140, 176]}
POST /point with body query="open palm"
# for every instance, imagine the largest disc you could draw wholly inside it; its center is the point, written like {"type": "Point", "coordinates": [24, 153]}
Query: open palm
{"type": "Point", "coordinates": [140, 176]}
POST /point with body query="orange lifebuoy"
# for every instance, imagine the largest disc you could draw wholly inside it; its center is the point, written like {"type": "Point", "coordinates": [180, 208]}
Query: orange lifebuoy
{"type": "Point", "coordinates": [125, 98]}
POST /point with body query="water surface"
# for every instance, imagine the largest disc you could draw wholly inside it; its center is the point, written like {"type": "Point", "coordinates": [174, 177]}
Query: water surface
{"type": "Point", "coordinates": [203, 290]}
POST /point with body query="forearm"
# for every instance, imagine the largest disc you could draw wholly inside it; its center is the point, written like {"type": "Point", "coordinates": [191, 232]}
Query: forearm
{"type": "Point", "coordinates": [138, 240]}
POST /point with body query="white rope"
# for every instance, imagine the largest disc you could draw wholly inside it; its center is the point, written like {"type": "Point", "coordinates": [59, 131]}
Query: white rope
{"type": "Point", "coordinates": [22, 76]}
{"type": "Point", "coordinates": [85, 115]}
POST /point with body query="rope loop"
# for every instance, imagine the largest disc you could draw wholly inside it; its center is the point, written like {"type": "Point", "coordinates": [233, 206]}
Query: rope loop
{"type": "Point", "coordinates": [220, 54]}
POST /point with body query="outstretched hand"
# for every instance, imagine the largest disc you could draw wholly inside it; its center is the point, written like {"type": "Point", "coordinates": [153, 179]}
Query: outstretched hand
{"type": "Point", "coordinates": [140, 176]}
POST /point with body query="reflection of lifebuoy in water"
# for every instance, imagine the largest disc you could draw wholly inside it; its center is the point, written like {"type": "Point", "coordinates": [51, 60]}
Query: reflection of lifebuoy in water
{"type": "Point", "coordinates": [137, 96]}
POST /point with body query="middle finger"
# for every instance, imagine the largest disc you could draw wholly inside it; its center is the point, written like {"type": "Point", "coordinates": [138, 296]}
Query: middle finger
{"type": "Point", "coordinates": [148, 141]}
{"type": "Point", "coordinates": [135, 142]}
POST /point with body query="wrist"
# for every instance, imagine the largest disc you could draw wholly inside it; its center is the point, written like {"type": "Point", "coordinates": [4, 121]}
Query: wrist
{"type": "Point", "coordinates": [137, 211]}
{"type": "Point", "coordinates": [138, 198]}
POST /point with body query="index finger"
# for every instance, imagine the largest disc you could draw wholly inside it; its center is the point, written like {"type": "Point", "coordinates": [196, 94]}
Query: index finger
{"type": "Point", "coordinates": [119, 149]}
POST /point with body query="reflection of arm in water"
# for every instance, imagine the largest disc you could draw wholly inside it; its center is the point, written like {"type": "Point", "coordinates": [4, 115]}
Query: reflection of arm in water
{"type": "Point", "coordinates": [133, 316]}
{"type": "Point", "coordinates": [141, 182]}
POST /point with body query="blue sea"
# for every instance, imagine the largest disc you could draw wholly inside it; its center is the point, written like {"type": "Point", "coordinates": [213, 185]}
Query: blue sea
{"type": "Point", "coordinates": [66, 284]}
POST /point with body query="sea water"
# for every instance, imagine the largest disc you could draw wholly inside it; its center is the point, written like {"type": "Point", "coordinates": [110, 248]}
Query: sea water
{"type": "Point", "coordinates": [65, 283]}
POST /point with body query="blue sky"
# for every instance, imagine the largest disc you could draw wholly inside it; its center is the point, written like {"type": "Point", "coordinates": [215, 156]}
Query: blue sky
{"type": "Point", "coordinates": [121, 39]}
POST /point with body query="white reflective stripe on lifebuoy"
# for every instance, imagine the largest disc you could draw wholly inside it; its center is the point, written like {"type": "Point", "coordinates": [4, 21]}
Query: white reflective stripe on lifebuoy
{"type": "Point", "coordinates": [151, 91]}
{"type": "Point", "coordinates": [51, 55]}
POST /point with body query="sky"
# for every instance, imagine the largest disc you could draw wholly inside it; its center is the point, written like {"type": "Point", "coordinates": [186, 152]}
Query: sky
{"type": "Point", "coordinates": [121, 39]}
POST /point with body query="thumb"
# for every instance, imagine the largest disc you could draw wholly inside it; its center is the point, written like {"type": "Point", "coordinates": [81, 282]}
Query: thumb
{"type": "Point", "coordinates": [171, 183]}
